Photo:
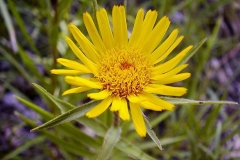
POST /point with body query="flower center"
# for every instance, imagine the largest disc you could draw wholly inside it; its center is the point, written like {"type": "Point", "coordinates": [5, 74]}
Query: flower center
{"type": "Point", "coordinates": [123, 72]}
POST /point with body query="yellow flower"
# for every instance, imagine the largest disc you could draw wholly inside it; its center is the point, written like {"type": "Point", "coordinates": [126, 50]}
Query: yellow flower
{"type": "Point", "coordinates": [127, 71]}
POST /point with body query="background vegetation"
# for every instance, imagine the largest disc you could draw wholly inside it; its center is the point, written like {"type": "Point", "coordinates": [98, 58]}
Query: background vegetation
{"type": "Point", "coordinates": [32, 37]}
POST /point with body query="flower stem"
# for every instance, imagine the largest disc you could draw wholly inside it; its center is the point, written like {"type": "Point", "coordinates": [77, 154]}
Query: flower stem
{"type": "Point", "coordinates": [115, 119]}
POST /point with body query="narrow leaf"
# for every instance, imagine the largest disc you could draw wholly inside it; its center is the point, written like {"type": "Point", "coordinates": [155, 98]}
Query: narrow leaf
{"type": "Point", "coordinates": [67, 130]}
{"type": "Point", "coordinates": [132, 150]}
{"type": "Point", "coordinates": [29, 63]}
{"type": "Point", "coordinates": [68, 116]}
{"type": "Point", "coordinates": [174, 100]}
{"type": "Point", "coordinates": [75, 148]}
{"type": "Point", "coordinates": [9, 25]}
{"type": "Point", "coordinates": [217, 138]}
{"type": "Point", "coordinates": [160, 118]}
{"type": "Point", "coordinates": [165, 141]}
{"type": "Point", "coordinates": [62, 105]}
{"type": "Point", "coordinates": [195, 49]}
{"type": "Point", "coordinates": [152, 134]}
{"type": "Point", "coordinates": [23, 147]}
{"type": "Point", "coordinates": [16, 64]}
{"type": "Point", "coordinates": [21, 25]}
{"type": "Point", "coordinates": [111, 138]}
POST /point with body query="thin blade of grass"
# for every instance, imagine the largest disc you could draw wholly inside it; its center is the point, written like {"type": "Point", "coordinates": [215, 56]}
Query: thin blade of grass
{"type": "Point", "coordinates": [9, 25]}
{"type": "Point", "coordinates": [29, 63]}
{"type": "Point", "coordinates": [70, 147]}
{"type": "Point", "coordinates": [24, 147]}
{"type": "Point", "coordinates": [195, 49]}
{"type": "Point", "coordinates": [21, 25]}
{"type": "Point", "coordinates": [67, 129]}
{"type": "Point", "coordinates": [160, 118]}
{"type": "Point", "coordinates": [165, 141]}
{"type": "Point", "coordinates": [16, 64]}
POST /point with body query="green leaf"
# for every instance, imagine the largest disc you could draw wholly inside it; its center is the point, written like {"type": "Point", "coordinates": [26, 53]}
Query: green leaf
{"type": "Point", "coordinates": [67, 130]}
{"type": "Point", "coordinates": [132, 150]}
{"type": "Point", "coordinates": [194, 102]}
{"type": "Point", "coordinates": [24, 147]}
{"type": "Point", "coordinates": [28, 62]}
{"type": "Point", "coordinates": [21, 25]}
{"type": "Point", "coordinates": [62, 105]}
{"type": "Point", "coordinates": [68, 116]}
{"type": "Point", "coordinates": [165, 141]}
{"type": "Point", "coordinates": [160, 118]}
{"type": "Point", "coordinates": [75, 148]}
{"type": "Point", "coordinates": [206, 150]}
{"type": "Point", "coordinates": [16, 64]}
{"type": "Point", "coordinates": [151, 133]}
{"type": "Point", "coordinates": [192, 52]}
{"type": "Point", "coordinates": [94, 124]}
{"type": "Point", "coordinates": [111, 138]}
{"type": "Point", "coordinates": [44, 114]}
{"type": "Point", "coordinates": [217, 138]}
{"type": "Point", "coordinates": [9, 25]}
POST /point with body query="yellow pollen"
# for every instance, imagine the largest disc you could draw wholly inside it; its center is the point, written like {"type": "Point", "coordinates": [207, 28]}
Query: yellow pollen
{"type": "Point", "coordinates": [123, 72]}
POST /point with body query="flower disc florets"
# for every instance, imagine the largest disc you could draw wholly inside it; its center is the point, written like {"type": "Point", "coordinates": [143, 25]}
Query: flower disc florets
{"type": "Point", "coordinates": [123, 72]}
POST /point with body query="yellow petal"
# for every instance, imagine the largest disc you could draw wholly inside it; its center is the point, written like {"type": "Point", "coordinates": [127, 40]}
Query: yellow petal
{"type": "Point", "coordinates": [78, 81]}
{"type": "Point", "coordinates": [165, 90]}
{"type": "Point", "coordinates": [156, 35]}
{"type": "Point", "coordinates": [167, 74]}
{"type": "Point", "coordinates": [135, 99]}
{"type": "Point", "coordinates": [76, 90]}
{"type": "Point", "coordinates": [93, 33]}
{"type": "Point", "coordinates": [100, 108]}
{"type": "Point", "coordinates": [154, 103]}
{"type": "Point", "coordinates": [81, 56]}
{"type": "Point", "coordinates": [174, 78]}
{"type": "Point", "coordinates": [100, 95]}
{"type": "Point", "coordinates": [123, 112]}
{"type": "Point", "coordinates": [119, 26]}
{"type": "Point", "coordinates": [138, 120]}
{"type": "Point", "coordinates": [104, 27]}
{"type": "Point", "coordinates": [116, 104]}
{"type": "Point", "coordinates": [136, 28]}
{"type": "Point", "coordinates": [147, 26]}
{"type": "Point", "coordinates": [87, 47]}
{"type": "Point", "coordinates": [73, 65]}
{"type": "Point", "coordinates": [167, 66]}
{"type": "Point", "coordinates": [66, 72]}
{"type": "Point", "coordinates": [173, 46]}
{"type": "Point", "coordinates": [164, 46]}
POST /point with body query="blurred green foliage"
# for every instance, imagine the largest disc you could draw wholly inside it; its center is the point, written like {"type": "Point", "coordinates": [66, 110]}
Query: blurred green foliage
{"type": "Point", "coordinates": [32, 37]}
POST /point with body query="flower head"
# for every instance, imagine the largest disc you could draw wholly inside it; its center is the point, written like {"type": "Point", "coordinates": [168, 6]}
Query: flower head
{"type": "Point", "coordinates": [127, 72]}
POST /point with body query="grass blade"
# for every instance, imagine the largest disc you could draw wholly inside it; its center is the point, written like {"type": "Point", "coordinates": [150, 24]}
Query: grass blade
{"type": "Point", "coordinates": [195, 49]}
{"type": "Point", "coordinates": [21, 25]}
{"type": "Point", "coordinates": [24, 147]}
{"type": "Point", "coordinates": [9, 25]}
{"type": "Point", "coordinates": [74, 148]}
